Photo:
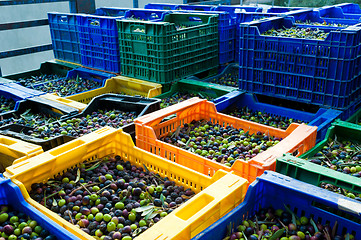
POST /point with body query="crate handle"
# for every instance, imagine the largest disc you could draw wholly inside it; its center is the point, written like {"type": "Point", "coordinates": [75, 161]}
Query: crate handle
{"type": "Point", "coordinates": [137, 29]}
{"type": "Point", "coordinates": [154, 16]}
{"type": "Point", "coordinates": [195, 19]}
{"type": "Point", "coordinates": [94, 22]}
{"type": "Point", "coordinates": [63, 18]}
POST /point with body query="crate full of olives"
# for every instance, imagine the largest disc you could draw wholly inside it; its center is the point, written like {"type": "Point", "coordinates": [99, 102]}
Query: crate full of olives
{"type": "Point", "coordinates": [101, 186]}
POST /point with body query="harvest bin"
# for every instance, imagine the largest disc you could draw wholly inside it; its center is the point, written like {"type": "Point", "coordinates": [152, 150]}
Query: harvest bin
{"type": "Point", "coordinates": [92, 76]}
{"type": "Point", "coordinates": [11, 195]}
{"type": "Point", "coordinates": [276, 190]}
{"type": "Point", "coordinates": [322, 118]}
{"type": "Point", "coordinates": [297, 139]}
{"type": "Point", "coordinates": [65, 36]}
{"type": "Point", "coordinates": [120, 85]}
{"type": "Point", "coordinates": [215, 196]}
{"type": "Point", "coordinates": [300, 168]}
{"type": "Point", "coordinates": [105, 102]}
{"type": "Point", "coordinates": [202, 89]}
{"type": "Point", "coordinates": [164, 52]}
{"type": "Point", "coordinates": [13, 150]}
{"type": "Point", "coordinates": [322, 72]}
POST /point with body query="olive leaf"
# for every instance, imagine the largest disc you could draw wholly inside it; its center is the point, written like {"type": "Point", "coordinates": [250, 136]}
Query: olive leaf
{"type": "Point", "coordinates": [143, 208]}
{"type": "Point", "coordinates": [77, 176]}
{"type": "Point", "coordinates": [294, 217]}
{"type": "Point", "coordinates": [145, 167]}
{"type": "Point", "coordinates": [252, 224]}
{"type": "Point", "coordinates": [229, 228]}
{"type": "Point", "coordinates": [148, 212]}
{"type": "Point", "coordinates": [314, 225]}
{"type": "Point", "coordinates": [55, 203]}
{"type": "Point", "coordinates": [244, 235]}
{"type": "Point", "coordinates": [277, 234]}
{"type": "Point", "coordinates": [347, 237]}
{"type": "Point", "coordinates": [136, 232]}
{"type": "Point", "coordinates": [162, 198]}
{"type": "Point", "coordinates": [334, 229]}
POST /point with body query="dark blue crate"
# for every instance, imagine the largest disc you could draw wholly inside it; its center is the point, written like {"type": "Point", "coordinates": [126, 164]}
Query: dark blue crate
{"type": "Point", "coordinates": [315, 16]}
{"type": "Point", "coordinates": [322, 72]}
{"type": "Point", "coordinates": [195, 7]}
{"type": "Point", "coordinates": [235, 9]}
{"type": "Point", "coordinates": [322, 119]}
{"type": "Point", "coordinates": [99, 42]}
{"type": "Point", "coordinates": [64, 36]}
{"type": "Point", "coordinates": [284, 9]}
{"type": "Point", "coordinates": [335, 12]}
{"type": "Point", "coordinates": [161, 6]}
{"type": "Point", "coordinates": [11, 195]}
{"type": "Point", "coordinates": [274, 189]}
{"type": "Point", "coordinates": [111, 11]}
{"type": "Point", "coordinates": [349, 8]}
{"type": "Point", "coordinates": [146, 14]}
{"type": "Point", "coordinates": [88, 74]}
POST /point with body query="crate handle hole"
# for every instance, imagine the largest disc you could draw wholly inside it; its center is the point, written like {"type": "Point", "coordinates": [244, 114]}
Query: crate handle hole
{"type": "Point", "coordinates": [295, 153]}
{"type": "Point", "coordinates": [94, 22]}
{"type": "Point", "coordinates": [195, 19]}
{"type": "Point", "coordinates": [63, 19]}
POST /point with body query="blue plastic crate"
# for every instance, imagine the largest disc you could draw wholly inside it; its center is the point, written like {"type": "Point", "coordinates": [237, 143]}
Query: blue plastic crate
{"type": "Point", "coordinates": [146, 14]}
{"type": "Point", "coordinates": [92, 75]}
{"type": "Point", "coordinates": [284, 9]}
{"type": "Point", "coordinates": [233, 9]}
{"type": "Point", "coordinates": [22, 92]}
{"type": "Point", "coordinates": [322, 119]}
{"type": "Point", "coordinates": [315, 16]}
{"type": "Point", "coordinates": [111, 11]}
{"type": "Point", "coordinates": [195, 7]}
{"type": "Point", "coordinates": [274, 189]}
{"type": "Point", "coordinates": [99, 42]}
{"type": "Point", "coordinates": [161, 6]}
{"type": "Point", "coordinates": [10, 194]}
{"type": "Point", "coordinates": [64, 36]}
{"type": "Point", "coordinates": [336, 12]}
{"type": "Point", "coordinates": [322, 72]}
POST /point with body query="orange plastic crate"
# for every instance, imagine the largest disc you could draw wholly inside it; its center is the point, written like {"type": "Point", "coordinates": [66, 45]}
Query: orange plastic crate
{"type": "Point", "coordinates": [297, 138]}
{"type": "Point", "coordinates": [215, 196]}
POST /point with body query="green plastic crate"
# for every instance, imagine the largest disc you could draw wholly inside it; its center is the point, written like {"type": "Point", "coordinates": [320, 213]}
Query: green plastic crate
{"type": "Point", "coordinates": [315, 174]}
{"type": "Point", "coordinates": [183, 44]}
{"type": "Point", "coordinates": [201, 89]}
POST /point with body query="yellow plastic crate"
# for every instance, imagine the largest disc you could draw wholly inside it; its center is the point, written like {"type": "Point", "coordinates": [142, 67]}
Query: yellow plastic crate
{"type": "Point", "coordinates": [122, 85]}
{"type": "Point", "coordinates": [13, 151]}
{"type": "Point", "coordinates": [68, 102]}
{"type": "Point", "coordinates": [215, 196]}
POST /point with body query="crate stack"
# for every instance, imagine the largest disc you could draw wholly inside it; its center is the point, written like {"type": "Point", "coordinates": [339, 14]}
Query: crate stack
{"type": "Point", "coordinates": [188, 116]}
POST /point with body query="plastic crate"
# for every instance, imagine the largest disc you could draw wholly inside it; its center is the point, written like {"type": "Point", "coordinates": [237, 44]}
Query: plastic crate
{"type": "Point", "coordinates": [5, 81]}
{"type": "Point", "coordinates": [222, 192]}
{"type": "Point", "coordinates": [195, 7]}
{"type": "Point", "coordinates": [13, 151]}
{"type": "Point", "coordinates": [111, 11]}
{"type": "Point", "coordinates": [284, 9]}
{"type": "Point", "coordinates": [350, 8]}
{"type": "Point", "coordinates": [68, 102]}
{"type": "Point", "coordinates": [231, 71]}
{"type": "Point", "coordinates": [86, 74]}
{"type": "Point", "coordinates": [105, 102]}
{"type": "Point", "coordinates": [226, 32]}
{"type": "Point", "coordinates": [297, 139]}
{"type": "Point", "coordinates": [99, 42]}
{"type": "Point", "coordinates": [314, 174]}
{"type": "Point", "coordinates": [314, 16]}
{"type": "Point", "coordinates": [306, 171]}
{"type": "Point", "coordinates": [321, 72]}
{"type": "Point", "coordinates": [202, 89]}
{"type": "Point", "coordinates": [64, 36]}
{"type": "Point", "coordinates": [121, 85]}
{"type": "Point", "coordinates": [46, 68]}
{"type": "Point", "coordinates": [161, 6]}
{"type": "Point", "coordinates": [146, 14]}
{"type": "Point", "coordinates": [336, 12]}
{"type": "Point", "coordinates": [158, 52]}
{"type": "Point", "coordinates": [301, 198]}
{"type": "Point", "coordinates": [322, 119]}
{"type": "Point", "coordinates": [11, 195]}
